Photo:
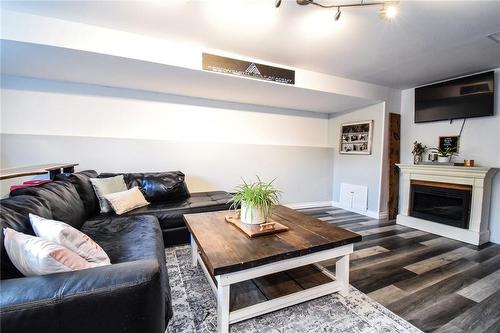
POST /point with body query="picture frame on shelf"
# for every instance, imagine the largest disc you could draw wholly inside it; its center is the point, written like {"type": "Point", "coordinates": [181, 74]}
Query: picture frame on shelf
{"type": "Point", "coordinates": [450, 141]}
{"type": "Point", "coordinates": [356, 138]}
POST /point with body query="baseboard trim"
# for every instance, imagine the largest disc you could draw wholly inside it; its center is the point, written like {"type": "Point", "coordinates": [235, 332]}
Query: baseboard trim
{"type": "Point", "coordinates": [314, 204]}
{"type": "Point", "coordinates": [369, 213]}
{"type": "Point", "coordinates": [463, 235]}
{"type": "Point", "coordinates": [383, 215]}
{"type": "Point", "coordinates": [304, 205]}
{"type": "Point", "coordinates": [494, 239]}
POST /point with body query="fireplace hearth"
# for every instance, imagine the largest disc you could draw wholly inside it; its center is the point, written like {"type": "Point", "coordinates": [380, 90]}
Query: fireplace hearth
{"type": "Point", "coordinates": [441, 202]}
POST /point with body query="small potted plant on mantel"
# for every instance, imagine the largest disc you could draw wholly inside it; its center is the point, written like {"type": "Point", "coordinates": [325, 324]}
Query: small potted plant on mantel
{"type": "Point", "coordinates": [418, 150]}
{"type": "Point", "coordinates": [256, 201]}
{"type": "Point", "coordinates": [445, 155]}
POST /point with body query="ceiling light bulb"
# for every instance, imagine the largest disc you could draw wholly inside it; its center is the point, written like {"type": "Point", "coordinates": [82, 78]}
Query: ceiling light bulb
{"type": "Point", "coordinates": [390, 12]}
{"type": "Point", "coordinates": [337, 14]}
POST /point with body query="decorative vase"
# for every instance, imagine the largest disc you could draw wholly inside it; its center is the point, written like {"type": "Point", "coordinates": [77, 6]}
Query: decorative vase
{"type": "Point", "coordinates": [469, 163]}
{"type": "Point", "coordinates": [251, 215]}
{"type": "Point", "coordinates": [417, 159]}
{"type": "Point", "coordinates": [443, 159]}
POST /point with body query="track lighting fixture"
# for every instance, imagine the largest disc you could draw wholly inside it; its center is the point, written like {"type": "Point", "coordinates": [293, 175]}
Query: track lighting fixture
{"type": "Point", "coordinates": [388, 11]}
{"type": "Point", "coordinates": [337, 14]}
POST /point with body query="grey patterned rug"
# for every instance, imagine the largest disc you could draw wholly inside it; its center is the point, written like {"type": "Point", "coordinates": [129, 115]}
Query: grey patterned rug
{"type": "Point", "coordinates": [195, 308]}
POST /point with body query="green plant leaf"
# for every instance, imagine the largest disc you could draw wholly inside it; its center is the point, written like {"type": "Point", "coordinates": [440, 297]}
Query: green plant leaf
{"type": "Point", "coordinates": [259, 195]}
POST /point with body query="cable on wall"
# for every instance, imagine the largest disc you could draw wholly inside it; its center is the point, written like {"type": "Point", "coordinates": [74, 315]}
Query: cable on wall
{"type": "Point", "coordinates": [462, 128]}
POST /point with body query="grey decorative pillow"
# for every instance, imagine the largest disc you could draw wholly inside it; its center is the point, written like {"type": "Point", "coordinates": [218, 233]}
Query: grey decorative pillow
{"type": "Point", "coordinates": [103, 186]}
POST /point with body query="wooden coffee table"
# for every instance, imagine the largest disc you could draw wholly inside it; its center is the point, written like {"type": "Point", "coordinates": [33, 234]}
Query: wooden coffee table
{"type": "Point", "coordinates": [233, 263]}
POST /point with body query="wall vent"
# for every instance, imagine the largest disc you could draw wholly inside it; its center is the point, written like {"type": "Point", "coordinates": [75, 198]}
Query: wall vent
{"type": "Point", "coordinates": [354, 196]}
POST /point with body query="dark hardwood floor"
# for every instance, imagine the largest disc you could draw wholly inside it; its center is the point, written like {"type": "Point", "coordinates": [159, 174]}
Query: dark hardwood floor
{"type": "Point", "coordinates": [437, 284]}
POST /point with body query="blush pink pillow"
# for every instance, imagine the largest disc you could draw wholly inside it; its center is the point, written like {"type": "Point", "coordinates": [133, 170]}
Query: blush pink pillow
{"type": "Point", "coordinates": [35, 256]}
{"type": "Point", "coordinates": [69, 237]}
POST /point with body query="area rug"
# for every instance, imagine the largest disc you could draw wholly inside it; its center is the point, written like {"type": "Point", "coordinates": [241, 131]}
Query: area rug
{"type": "Point", "coordinates": [194, 308]}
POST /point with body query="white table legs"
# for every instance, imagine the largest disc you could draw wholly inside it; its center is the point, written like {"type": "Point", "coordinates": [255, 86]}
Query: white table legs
{"type": "Point", "coordinates": [342, 274]}
{"type": "Point", "coordinates": [194, 252]}
{"type": "Point", "coordinates": [225, 316]}
{"type": "Point", "coordinates": [222, 307]}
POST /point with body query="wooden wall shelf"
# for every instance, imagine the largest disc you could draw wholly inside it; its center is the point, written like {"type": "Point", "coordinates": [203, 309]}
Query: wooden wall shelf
{"type": "Point", "coordinates": [31, 170]}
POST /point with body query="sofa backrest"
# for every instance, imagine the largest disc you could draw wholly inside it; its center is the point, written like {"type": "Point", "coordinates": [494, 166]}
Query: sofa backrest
{"type": "Point", "coordinates": [156, 186]}
{"type": "Point", "coordinates": [14, 214]}
{"type": "Point", "coordinates": [63, 199]}
{"type": "Point", "coordinates": [81, 182]}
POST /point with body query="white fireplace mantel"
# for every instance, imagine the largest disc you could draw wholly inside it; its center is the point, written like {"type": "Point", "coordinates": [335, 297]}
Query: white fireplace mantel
{"type": "Point", "coordinates": [477, 177]}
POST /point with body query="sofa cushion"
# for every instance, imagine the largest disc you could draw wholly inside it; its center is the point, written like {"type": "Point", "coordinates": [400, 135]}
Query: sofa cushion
{"type": "Point", "coordinates": [126, 238]}
{"type": "Point", "coordinates": [63, 199]}
{"type": "Point", "coordinates": [14, 214]}
{"type": "Point", "coordinates": [169, 214]}
{"type": "Point", "coordinates": [81, 182]}
{"type": "Point", "coordinates": [157, 186]}
{"type": "Point", "coordinates": [131, 238]}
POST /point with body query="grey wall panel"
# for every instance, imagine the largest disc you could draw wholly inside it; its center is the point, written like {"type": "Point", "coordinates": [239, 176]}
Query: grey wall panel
{"type": "Point", "coordinates": [304, 174]}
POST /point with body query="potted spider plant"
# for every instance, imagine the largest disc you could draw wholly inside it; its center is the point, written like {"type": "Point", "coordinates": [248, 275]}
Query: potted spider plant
{"type": "Point", "coordinates": [256, 200]}
{"type": "Point", "coordinates": [445, 155]}
{"type": "Point", "coordinates": [418, 150]}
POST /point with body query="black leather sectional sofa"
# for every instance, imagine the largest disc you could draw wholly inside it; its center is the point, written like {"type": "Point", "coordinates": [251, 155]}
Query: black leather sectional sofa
{"type": "Point", "coordinates": [132, 294]}
{"type": "Point", "coordinates": [170, 199]}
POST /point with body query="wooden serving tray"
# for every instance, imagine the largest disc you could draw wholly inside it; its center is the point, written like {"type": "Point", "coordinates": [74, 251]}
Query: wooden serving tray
{"type": "Point", "coordinates": [256, 230]}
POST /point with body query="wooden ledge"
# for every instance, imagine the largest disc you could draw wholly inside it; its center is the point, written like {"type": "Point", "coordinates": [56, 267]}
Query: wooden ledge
{"type": "Point", "coordinates": [40, 169]}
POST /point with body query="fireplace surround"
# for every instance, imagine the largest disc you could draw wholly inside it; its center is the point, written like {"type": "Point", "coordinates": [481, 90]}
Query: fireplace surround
{"type": "Point", "coordinates": [450, 201]}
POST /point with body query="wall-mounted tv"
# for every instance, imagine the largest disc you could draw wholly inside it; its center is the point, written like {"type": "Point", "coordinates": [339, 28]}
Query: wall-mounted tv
{"type": "Point", "coordinates": [466, 97]}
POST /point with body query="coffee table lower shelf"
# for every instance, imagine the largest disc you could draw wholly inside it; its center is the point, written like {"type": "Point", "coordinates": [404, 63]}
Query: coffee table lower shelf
{"type": "Point", "coordinates": [255, 291]}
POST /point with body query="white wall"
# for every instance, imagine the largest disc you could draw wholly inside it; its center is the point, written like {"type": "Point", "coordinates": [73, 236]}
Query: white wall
{"type": "Point", "coordinates": [214, 143]}
{"type": "Point", "coordinates": [32, 106]}
{"type": "Point", "coordinates": [480, 141]}
{"type": "Point", "coordinates": [363, 170]}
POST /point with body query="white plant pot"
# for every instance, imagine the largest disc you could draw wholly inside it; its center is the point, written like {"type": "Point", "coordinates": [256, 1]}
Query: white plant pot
{"type": "Point", "coordinates": [443, 159]}
{"type": "Point", "coordinates": [251, 216]}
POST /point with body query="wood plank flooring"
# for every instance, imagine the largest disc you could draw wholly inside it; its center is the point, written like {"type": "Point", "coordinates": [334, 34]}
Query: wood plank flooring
{"type": "Point", "coordinates": [438, 284]}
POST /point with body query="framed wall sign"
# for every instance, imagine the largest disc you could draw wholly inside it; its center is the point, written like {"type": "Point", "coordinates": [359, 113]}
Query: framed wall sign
{"type": "Point", "coordinates": [254, 70]}
{"type": "Point", "coordinates": [356, 138]}
{"type": "Point", "coordinates": [449, 142]}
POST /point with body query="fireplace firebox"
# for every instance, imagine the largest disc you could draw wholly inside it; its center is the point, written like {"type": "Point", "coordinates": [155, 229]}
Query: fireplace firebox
{"type": "Point", "coordinates": [444, 203]}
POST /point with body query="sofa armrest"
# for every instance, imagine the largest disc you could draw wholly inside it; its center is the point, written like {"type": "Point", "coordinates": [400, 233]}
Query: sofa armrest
{"type": "Point", "coordinates": [126, 296]}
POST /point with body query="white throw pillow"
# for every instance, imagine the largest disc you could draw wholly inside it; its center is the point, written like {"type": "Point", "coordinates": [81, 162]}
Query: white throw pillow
{"type": "Point", "coordinates": [126, 201]}
{"type": "Point", "coordinates": [103, 186]}
{"type": "Point", "coordinates": [69, 237]}
{"type": "Point", "coordinates": [35, 256]}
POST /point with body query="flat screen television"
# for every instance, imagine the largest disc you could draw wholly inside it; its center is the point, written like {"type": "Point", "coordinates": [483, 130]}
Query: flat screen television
{"type": "Point", "coordinates": [466, 97]}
